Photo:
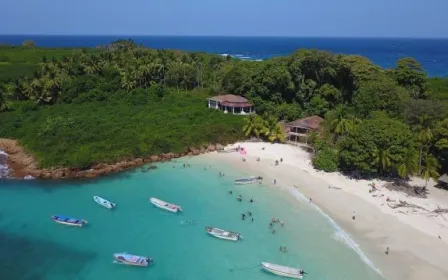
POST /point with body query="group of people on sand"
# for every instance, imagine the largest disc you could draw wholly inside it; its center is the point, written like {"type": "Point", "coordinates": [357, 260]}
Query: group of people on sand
{"type": "Point", "coordinates": [277, 161]}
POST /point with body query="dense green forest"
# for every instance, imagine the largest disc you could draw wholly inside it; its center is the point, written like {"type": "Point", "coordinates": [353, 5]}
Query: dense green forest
{"type": "Point", "coordinates": [77, 107]}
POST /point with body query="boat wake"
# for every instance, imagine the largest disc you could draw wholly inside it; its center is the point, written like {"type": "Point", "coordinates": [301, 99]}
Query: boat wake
{"type": "Point", "coordinates": [339, 233]}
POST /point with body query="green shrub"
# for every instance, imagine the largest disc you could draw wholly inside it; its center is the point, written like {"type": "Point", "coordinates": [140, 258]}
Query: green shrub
{"type": "Point", "coordinates": [326, 160]}
{"type": "Point", "coordinates": [82, 134]}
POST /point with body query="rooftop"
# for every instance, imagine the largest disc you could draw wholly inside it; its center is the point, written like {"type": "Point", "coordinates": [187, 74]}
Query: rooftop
{"type": "Point", "coordinates": [443, 178]}
{"type": "Point", "coordinates": [312, 122]}
{"type": "Point", "coordinates": [229, 98]}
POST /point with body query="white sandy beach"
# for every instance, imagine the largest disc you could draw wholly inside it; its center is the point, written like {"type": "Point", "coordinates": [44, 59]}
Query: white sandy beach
{"type": "Point", "coordinates": [418, 239]}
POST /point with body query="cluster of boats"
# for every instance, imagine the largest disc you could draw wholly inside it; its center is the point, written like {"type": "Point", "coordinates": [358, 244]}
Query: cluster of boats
{"type": "Point", "coordinates": [142, 261]}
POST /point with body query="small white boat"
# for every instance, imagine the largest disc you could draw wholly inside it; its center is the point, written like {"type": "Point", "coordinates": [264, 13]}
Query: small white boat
{"type": "Point", "coordinates": [249, 180]}
{"type": "Point", "coordinates": [103, 202]}
{"type": "Point", "coordinates": [165, 205]}
{"type": "Point", "coordinates": [227, 150]}
{"type": "Point", "coordinates": [128, 259]}
{"type": "Point", "coordinates": [283, 270]}
{"type": "Point", "coordinates": [223, 234]}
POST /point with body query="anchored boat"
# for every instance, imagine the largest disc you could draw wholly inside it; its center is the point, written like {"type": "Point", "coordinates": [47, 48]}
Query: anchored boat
{"type": "Point", "coordinates": [68, 221]}
{"type": "Point", "coordinates": [103, 202]}
{"type": "Point", "coordinates": [249, 180]}
{"type": "Point", "coordinates": [284, 271]}
{"type": "Point", "coordinates": [223, 234]}
{"type": "Point", "coordinates": [129, 259]}
{"type": "Point", "coordinates": [165, 205]}
{"type": "Point", "coordinates": [225, 151]}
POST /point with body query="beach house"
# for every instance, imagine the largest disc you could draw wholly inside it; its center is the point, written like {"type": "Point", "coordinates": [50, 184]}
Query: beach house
{"type": "Point", "coordinates": [299, 130]}
{"type": "Point", "coordinates": [442, 182]}
{"type": "Point", "coordinates": [229, 103]}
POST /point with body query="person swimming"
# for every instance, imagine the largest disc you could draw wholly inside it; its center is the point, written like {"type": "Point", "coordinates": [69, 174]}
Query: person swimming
{"type": "Point", "coordinates": [251, 200]}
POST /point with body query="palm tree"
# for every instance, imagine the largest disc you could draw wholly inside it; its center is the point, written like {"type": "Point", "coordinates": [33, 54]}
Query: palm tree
{"type": "Point", "coordinates": [253, 126]}
{"type": "Point", "coordinates": [342, 124]}
{"type": "Point", "coordinates": [383, 159]}
{"type": "Point", "coordinates": [4, 103]}
{"type": "Point", "coordinates": [272, 129]}
{"type": "Point", "coordinates": [408, 165]}
{"type": "Point", "coordinates": [429, 168]}
{"type": "Point", "coordinates": [277, 134]}
{"type": "Point", "coordinates": [424, 137]}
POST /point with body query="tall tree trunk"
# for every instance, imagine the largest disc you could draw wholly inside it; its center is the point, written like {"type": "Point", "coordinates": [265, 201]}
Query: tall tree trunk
{"type": "Point", "coordinates": [420, 160]}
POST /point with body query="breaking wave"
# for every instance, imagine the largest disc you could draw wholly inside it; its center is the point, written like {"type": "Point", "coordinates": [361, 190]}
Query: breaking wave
{"type": "Point", "coordinates": [339, 233]}
{"type": "Point", "coordinates": [3, 166]}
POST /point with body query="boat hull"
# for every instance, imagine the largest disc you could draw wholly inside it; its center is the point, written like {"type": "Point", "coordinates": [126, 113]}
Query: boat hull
{"type": "Point", "coordinates": [79, 223]}
{"type": "Point", "coordinates": [132, 260]}
{"type": "Point", "coordinates": [165, 205]}
{"type": "Point", "coordinates": [226, 151]}
{"type": "Point", "coordinates": [276, 269]}
{"type": "Point", "coordinates": [103, 202]}
{"type": "Point", "coordinates": [233, 237]}
{"type": "Point", "coordinates": [247, 181]}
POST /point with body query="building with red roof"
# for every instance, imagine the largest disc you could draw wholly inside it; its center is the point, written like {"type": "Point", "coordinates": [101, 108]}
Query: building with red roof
{"type": "Point", "coordinates": [229, 103]}
{"type": "Point", "coordinates": [301, 128]}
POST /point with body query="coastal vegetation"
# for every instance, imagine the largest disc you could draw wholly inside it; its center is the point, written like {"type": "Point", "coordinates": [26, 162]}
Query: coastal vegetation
{"type": "Point", "coordinates": [79, 107]}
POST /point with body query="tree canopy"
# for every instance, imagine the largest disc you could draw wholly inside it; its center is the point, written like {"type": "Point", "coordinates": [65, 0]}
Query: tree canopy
{"type": "Point", "coordinates": [115, 99]}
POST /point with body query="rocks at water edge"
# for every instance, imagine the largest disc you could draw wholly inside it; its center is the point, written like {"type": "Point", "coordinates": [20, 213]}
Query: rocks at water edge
{"type": "Point", "coordinates": [23, 165]}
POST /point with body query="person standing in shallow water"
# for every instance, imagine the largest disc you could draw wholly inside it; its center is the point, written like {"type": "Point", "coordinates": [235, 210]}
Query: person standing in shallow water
{"type": "Point", "coordinates": [354, 215]}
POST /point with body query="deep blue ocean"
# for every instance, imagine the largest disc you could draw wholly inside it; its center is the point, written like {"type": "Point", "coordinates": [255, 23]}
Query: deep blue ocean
{"type": "Point", "coordinates": [431, 53]}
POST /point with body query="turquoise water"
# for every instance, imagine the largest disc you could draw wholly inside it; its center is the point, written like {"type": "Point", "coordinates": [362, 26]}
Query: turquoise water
{"type": "Point", "coordinates": [34, 247]}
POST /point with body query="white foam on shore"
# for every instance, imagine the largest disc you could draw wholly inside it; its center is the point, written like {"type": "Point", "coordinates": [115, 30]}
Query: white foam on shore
{"type": "Point", "coordinates": [3, 167]}
{"type": "Point", "coordinates": [239, 56]}
{"type": "Point", "coordinates": [339, 233]}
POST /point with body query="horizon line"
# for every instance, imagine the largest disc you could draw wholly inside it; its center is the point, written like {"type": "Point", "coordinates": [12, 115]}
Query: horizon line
{"type": "Point", "coordinates": [230, 36]}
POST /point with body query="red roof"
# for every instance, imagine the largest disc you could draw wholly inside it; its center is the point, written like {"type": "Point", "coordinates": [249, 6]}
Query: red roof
{"type": "Point", "coordinates": [312, 122]}
{"type": "Point", "coordinates": [231, 100]}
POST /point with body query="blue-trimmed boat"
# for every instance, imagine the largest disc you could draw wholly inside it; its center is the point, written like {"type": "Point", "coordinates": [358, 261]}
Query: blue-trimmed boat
{"type": "Point", "coordinates": [129, 259]}
{"type": "Point", "coordinates": [68, 221]}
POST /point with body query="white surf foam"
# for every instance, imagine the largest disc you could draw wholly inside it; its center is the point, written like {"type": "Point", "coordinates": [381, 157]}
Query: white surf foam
{"type": "Point", "coordinates": [3, 167]}
{"type": "Point", "coordinates": [339, 233]}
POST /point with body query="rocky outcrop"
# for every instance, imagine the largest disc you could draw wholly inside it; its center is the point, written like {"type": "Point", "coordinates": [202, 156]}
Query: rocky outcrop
{"type": "Point", "coordinates": [23, 164]}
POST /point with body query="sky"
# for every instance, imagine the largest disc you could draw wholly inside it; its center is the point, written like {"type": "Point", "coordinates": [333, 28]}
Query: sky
{"type": "Point", "coordinates": [297, 18]}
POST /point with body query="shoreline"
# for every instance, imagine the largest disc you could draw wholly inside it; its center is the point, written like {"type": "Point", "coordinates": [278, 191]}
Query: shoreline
{"type": "Point", "coordinates": [415, 250]}
{"type": "Point", "coordinates": [21, 164]}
